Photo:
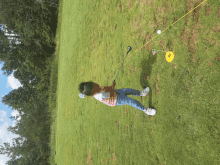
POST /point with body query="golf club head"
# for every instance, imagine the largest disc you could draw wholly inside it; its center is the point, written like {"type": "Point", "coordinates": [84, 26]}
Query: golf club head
{"type": "Point", "coordinates": [129, 49]}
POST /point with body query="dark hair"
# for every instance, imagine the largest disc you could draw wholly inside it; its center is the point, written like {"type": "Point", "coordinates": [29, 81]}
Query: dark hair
{"type": "Point", "coordinates": [86, 88]}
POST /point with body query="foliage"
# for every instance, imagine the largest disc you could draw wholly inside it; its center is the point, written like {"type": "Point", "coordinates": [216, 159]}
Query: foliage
{"type": "Point", "coordinates": [34, 23]}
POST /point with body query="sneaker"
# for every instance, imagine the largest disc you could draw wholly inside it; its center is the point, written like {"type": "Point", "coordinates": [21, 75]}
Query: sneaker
{"type": "Point", "coordinates": [150, 111]}
{"type": "Point", "coordinates": [145, 91]}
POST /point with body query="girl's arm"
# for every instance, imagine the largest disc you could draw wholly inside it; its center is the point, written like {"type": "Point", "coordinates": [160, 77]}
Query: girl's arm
{"type": "Point", "coordinates": [98, 88]}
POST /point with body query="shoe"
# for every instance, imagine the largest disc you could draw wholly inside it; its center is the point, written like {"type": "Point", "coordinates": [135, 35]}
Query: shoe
{"type": "Point", "coordinates": [145, 91]}
{"type": "Point", "coordinates": [150, 111]}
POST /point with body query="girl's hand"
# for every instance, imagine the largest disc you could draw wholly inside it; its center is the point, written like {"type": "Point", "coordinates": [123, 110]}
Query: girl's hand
{"type": "Point", "coordinates": [112, 96]}
{"type": "Point", "coordinates": [113, 84]}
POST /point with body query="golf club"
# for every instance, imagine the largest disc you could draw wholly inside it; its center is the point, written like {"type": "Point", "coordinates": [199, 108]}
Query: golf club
{"type": "Point", "coordinates": [129, 49]}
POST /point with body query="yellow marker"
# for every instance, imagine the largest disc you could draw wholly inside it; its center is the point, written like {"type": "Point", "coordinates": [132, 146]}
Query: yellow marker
{"type": "Point", "coordinates": [169, 56]}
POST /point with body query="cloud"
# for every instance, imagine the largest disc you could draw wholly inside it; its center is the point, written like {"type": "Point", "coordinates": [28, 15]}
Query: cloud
{"type": "Point", "coordinates": [16, 113]}
{"type": "Point", "coordinates": [2, 114]}
{"type": "Point", "coordinates": [2, 162]}
{"type": "Point", "coordinates": [13, 82]}
{"type": "Point", "coordinates": [6, 136]}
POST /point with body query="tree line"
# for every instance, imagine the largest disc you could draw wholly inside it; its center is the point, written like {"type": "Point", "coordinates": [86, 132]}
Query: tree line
{"type": "Point", "coordinates": [35, 23]}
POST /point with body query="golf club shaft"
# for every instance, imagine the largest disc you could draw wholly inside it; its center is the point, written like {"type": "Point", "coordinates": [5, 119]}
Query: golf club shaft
{"type": "Point", "coordinates": [129, 49]}
{"type": "Point", "coordinates": [120, 69]}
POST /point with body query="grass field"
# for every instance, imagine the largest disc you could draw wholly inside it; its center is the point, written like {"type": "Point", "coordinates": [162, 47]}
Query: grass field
{"type": "Point", "coordinates": [92, 41]}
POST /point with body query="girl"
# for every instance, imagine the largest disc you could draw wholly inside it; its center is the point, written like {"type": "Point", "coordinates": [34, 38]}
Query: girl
{"type": "Point", "coordinates": [111, 97]}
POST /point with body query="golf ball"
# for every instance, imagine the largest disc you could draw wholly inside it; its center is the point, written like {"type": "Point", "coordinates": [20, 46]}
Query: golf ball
{"type": "Point", "coordinates": [159, 31]}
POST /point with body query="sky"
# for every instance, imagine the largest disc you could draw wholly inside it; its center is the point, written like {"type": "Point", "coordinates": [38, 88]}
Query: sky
{"type": "Point", "coordinates": [7, 84]}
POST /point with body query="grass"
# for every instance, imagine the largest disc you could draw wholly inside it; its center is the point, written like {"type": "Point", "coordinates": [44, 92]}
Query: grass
{"type": "Point", "coordinates": [93, 37]}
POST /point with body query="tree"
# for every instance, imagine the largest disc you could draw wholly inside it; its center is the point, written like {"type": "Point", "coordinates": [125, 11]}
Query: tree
{"type": "Point", "coordinates": [4, 43]}
{"type": "Point", "coordinates": [25, 151]}
{"type": "Point", "coordinates": [19, 98]}
{"type": "Point", "coordinates": [26, 78]}
{"type": "Point", "coordinates": [13, 162]}
{"type": "Point", "coordinates": [27, 18]}
{"type": "Point", "coordinates": [35, 23]}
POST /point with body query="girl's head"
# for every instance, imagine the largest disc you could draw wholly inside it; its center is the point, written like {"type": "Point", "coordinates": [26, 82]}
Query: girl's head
{"type": "Point", "coordinates": [86, 88]}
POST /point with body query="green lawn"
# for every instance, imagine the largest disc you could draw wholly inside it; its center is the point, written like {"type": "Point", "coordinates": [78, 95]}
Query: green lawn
{"type": "Point", "coordinates": [92, 42]}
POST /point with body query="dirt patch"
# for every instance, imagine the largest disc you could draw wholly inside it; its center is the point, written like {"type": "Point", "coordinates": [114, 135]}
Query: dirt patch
{"type": "Point", "coordinates": [167, 8]}
{"type": "Point", "coordinates": [189, 6]}
{"type": "Point", "coordinates": [91, 52]}
{"type": "Point", "coordinates": [129, 4]}
{"type": "Point", "coordinates": [218, 12]}
{"type": "Point", "coordinates": [106, 160]}
{"type": "Point", "coordinates": [199, 62]}
{"type": "Point", "coordinates": [210, 63]}
{"type": "Point", "coordinates": [114, 28]}
{"type": "Point", "coordinates": [147, 39]}
{"type": "Point", "coordinates": [135, 69]}
{"type": "Point", "coordinates": [172, 46]}
{"type": "Point", "coordinates": [157, 22]}
{"type": "Point", "coordinates": [212, 41]}
{"type": "Point", "coordinates": [190, 86]}
{"type": "Point", "coordinates": [183, 36]}
{"type": "Point", "coordinates": [146, 77]}
{"type": "Point", "coordinates": [113, 157]}
{"type": "Point", "coordinates": [208, 10]}
{"type": "Point", "coordinates": [120, 8]}
{"type": "Point", "coordinates": [196, 12]}
{"type": "Point", "coordinates": [162, 43]}
{"type": "Point", "coordinates": [126, 111]}
{"type": "Point", "coordinates": [164, 22]}
{"type": "Point", "coordinates": [175, 19]}
{"type": "Point", "coordinates": [156, 85]}
{"type": "Point", "coordinates": [129, 67]}
{"type": "Point", "coordinates": [201, 79]}
{"type": "Point", "coordinates": [216, 29]}
{"type": "Point", "coordinates": [118, 123]}
{"type": "Point", "coordinates": [146, 3]}
{"type": "Point", "coordinates": [160, 9]}
{"type": "Point", "coordinates": [193, 39]}
{"type": "Point", "coordinates": [136, 44]}
{"type": "Point", "coordinates": [136, 25]}
{"type": "Point", "coordinates": [217, 58]}
{"type": "Point", "coordinates": [89, 158]}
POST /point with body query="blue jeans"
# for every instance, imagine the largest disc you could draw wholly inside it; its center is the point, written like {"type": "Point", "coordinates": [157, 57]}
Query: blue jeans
{"type": "Point", "coordinates": [123, 99]}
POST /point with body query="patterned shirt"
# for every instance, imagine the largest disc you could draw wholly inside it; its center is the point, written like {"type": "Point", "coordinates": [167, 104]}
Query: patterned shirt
{"type": "Point", "coordinates": [104, 98]}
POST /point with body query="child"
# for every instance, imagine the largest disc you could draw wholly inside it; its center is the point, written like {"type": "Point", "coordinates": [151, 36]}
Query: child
{"type": "Point", "coordinates": [111, 97]}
